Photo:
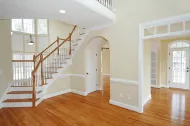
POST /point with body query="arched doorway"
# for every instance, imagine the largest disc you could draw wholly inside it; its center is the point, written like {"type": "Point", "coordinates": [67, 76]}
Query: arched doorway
{"type": "Point", "coordinates": [93, 64]}
{"type": "Point", "coordinates": [178, 64]}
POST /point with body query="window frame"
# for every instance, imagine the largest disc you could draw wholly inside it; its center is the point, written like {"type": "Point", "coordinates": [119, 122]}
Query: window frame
{"type": "Point", "coordinates": [35, 29]}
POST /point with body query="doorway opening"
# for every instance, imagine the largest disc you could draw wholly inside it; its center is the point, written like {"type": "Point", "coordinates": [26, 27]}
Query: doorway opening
{"type": "Point", "coordinates": [97, 66]}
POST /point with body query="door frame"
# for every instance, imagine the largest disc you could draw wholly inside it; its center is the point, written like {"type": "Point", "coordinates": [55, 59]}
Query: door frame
{"type": "Point", "coordinates": [168, 64]}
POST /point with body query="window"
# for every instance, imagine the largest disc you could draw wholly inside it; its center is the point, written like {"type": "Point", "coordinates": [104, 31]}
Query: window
{"type": "Point", "coordinates": [42, 26]}
{"type": "Point", "coordinates": [17, 25]}
{"type": "Point", "coordinates": [23, 25]}
{"type": "Point", "coordinates": [179, 45]}
{"type": "Point", "coordinates": [28, 26]}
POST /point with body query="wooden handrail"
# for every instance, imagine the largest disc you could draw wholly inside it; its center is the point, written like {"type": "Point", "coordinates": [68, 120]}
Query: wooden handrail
{"type": "Point", "coordinates": [56, 41]}
{"type": "Point", "coordinates": [61, 39]}
{"type": "Point", "coordinates": [46, 48]}
{"type": "Point", "coordinates": [56, 48]}
{"type": "Point", "coordinates": [72, 31]}
{"type": "Point", "coordinates": [67, 39]}
{"type": "Point", "coordinates": [36, 68]}
{"type": "Point", "coordinates": [22, 60]}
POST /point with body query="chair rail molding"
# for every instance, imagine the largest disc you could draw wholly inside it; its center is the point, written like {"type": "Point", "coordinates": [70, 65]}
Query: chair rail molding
{"type": "Point", "coordinates": [124, 81]}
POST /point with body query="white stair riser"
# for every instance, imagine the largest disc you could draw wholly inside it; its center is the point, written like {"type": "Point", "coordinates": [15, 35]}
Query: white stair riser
{"type": "Point", "coordinates": [24, 88]}
{"type": "Point", "coordinates": [17, 104]}
{"type": "Point", "coordinates": [18, 96]}
{"type": "Point", "coordinates": [22, 96]}
{"type": "Point", "coordinates": [20, 89]}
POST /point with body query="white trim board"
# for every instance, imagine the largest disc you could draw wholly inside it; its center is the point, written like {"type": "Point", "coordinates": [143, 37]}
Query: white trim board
{"type": "Point", "coordinates": [160, 86]}
{"type": "Point", "coordinates": [79, 92]}
{"type": "Point", "coordinates": [124, 81]}
{"type": "Point", "coordinates": [1, 106]}
{"type": "Point", "coordinates": [147, 99]}
{"type": "Point", "coordinates": [64, 92]}
{"type": "Point", "coordinates": [126, 106]}
{"type": "Point", "coordinates": [105, 74]}
{"type": "Point", "coordinates": [56, 93]}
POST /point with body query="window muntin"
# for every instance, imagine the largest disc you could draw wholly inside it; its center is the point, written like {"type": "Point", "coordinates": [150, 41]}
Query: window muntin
{"type": "Point", "coordinates": [180, 45]}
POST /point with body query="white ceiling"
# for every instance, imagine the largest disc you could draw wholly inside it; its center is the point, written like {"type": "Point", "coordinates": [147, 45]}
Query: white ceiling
{"type": "Point", "coordinates": [76, 13]}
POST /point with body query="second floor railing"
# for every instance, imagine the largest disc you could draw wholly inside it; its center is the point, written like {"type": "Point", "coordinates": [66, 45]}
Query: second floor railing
{"type": "Point", "coordinates": [108, 3]}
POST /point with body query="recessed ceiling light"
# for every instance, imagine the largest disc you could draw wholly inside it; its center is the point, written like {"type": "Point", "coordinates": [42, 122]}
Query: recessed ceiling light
{"type": "Point", "coordinates": [62, 11]}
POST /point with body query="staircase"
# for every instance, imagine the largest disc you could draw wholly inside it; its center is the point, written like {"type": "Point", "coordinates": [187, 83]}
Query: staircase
{"type": "Point", "coordinates": [33, 77]}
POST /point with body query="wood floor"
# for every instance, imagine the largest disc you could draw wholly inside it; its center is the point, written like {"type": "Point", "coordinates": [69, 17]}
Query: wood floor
{"type": "Point", "coordinates": [168, 107]}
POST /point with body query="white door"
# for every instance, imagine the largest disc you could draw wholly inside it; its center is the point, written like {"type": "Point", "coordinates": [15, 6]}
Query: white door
{"type": "Point", "coordinates": [179, 68]}
{"type": "Point", "coordinates": [91, 71]}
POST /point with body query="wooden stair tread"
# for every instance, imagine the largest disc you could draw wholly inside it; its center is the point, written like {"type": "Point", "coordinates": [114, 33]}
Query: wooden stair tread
{"type": "Point", "coordinates": [19, 100]}
{"type": "Point", "coordinates": [20, 92]}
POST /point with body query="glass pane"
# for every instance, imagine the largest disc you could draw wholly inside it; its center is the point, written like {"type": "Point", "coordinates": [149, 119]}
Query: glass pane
{"type": "Point", "coordinates": [42, 26]}
{"type": "Point", "coordinates": [179, 67]}
{"type": "Point", "coordinates": [180, 45]}
{"type": "Point", "coordinates": [17, 25]}
{"type": "Point", "coordinates": [28, 26]}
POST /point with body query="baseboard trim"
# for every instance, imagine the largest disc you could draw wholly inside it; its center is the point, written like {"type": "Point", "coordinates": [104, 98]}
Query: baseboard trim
{"type": "Point", "coordinates": [126, 106]}
{"type": "Point", "coordinates": [147, 99]}
{"type": "Point", "coordinates": [1, 106]}
{"type": "Point", "coordinates": [160, 86]}
{"type": "Point", "coordinates": [164, 86]}
{"type": "Point", "coordinates": [155, 86]}
{"type": "Point", "coordinates": [105, 74]}
{"type": "Point", "coordinates": [56, 94]}
{"type": "Point", "coordinates": [79, 92]}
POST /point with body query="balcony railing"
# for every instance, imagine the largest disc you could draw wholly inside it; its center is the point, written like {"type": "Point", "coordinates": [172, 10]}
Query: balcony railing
{"type": "Point", "coordinates": [108, 3]}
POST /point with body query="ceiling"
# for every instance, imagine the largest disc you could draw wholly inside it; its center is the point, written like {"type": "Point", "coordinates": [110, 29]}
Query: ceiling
{"type": "Point", "coordinates": [76, 13]}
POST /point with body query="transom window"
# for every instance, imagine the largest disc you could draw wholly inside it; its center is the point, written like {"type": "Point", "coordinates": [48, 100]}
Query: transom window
{"type": "Point", "coordinates": [179, 45]}
{"type": "Point", "coordinates": [28, 26]}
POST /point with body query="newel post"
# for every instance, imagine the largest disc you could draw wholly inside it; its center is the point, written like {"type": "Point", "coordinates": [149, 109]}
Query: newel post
{"type": "Point", "coordinates": [57, 45]}
{"type": "Point", "coordinates": [33, 90]}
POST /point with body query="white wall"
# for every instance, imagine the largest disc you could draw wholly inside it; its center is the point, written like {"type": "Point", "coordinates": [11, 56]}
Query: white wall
{"type": "Point", "coordinates": [59, 28]}
{"type": "Point", "coordinates": [5, 55]}
{"type": "Point", "coordinates": [105, 61]}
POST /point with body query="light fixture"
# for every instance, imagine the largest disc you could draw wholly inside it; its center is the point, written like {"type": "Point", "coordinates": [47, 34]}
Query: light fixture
{"type": "Point", "coordinates": [62, 11]}
{"type": "Point", "coordinates": [30, 42]}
